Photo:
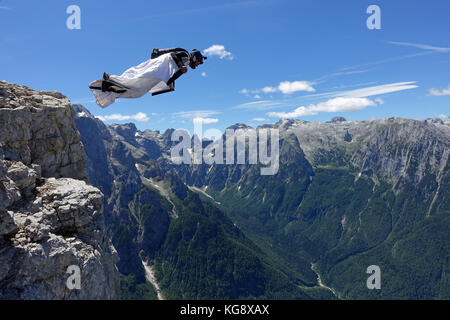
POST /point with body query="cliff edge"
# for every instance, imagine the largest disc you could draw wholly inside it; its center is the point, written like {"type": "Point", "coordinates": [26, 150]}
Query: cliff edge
{"type": "Point", "coordinates": [50, 217]}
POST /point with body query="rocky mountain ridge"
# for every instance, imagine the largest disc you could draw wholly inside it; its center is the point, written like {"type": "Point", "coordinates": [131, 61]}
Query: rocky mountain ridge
{"type": "Point", "coordinates": [347, 194]}
{"type": "Point", "coordinates": [50, 218]}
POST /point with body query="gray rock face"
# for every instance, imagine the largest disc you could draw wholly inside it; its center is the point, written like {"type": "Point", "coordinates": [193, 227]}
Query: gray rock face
{"type": "Point", "coordinates": [394, 148]}
{"type": "Point", "coordinates": [338, 119]}
{"type": "Point", "coordinates": [49, 220]}
{"type": "Point", "coordinates": [113, 158]}
{"type": "Point", "coordinates": [39, 127]}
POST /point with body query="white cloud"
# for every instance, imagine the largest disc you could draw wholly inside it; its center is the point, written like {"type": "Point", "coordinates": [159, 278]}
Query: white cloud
{"type": "Point", "coordinates": [196, 114]}
{"type": "Point", "coordinates": [338, 74]}
{"type": "Point", "coordinates": [333, 105]}
{"type": "Point", "coordinates": [443, 116]}
{"type": "Point", "coordinates": [257, 96]}
{"type": "Point", "coordinates": [204, 74]}
{"type": "Point", "coordinates": [244, 91]}
{"type": "Point", "coordinates": [206, 120]}
{"type": "Point", "coordinates": [140, 117]}
{"type": "Point", "coordinates": [389, 60]}
{"type": "Point", "coordinates": [370, 91]}
{"type": "Point", "coordinates": [259, 119]}
{"type": "Point", "coordinates": [269, 89]}
{"type": "Point", "coordinates": [287, 87]}
{"type": "Point", "coordinates": [378, 90]}
{"type": "Point", "coordinates": [379, 101]}
{"type": "Point", "coordinates": [437, 93]}
{"type": "Point", "coordinates": [218, 50]}
{"type": "Point", "coordinates": [420, 46]}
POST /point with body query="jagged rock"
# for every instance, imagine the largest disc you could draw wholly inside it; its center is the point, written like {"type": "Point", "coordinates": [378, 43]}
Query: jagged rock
{"type": "Point", "coordinates": [348, 137]}
{"type": "Point", "coordinates": [62, 226]}
{"type": "Point", "coordinates": [24, 177]}
{"type": "Point", "coordinates": [435, 120]}
{"type": "Point", "coordinates": [48, 220]}
{"type": "Point", "coordinates": [338, 119]}
{"type": "Point", "coordinates": [7, 224]}
{"type": "Point", "coordinates": [128, 131]}
{"type": "Point", "coordinates": [39, 128]}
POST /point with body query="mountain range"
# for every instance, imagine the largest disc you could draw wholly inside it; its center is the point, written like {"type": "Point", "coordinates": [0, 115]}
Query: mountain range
{"type": "Point", "coordinates": [348, 195]}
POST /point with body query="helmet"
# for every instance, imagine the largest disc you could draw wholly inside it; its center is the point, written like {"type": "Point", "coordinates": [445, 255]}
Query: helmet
{"type": "Point", "coordinates": [195, 56]}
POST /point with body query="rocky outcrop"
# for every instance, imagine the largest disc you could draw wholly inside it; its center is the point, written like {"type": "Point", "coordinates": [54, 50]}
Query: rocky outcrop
{"type": "Point", "coordinates": [50, 218]}
{"type": "Point", "coordinates": [38, 128]}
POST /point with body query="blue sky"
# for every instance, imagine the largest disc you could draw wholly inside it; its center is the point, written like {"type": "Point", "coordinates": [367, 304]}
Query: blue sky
{"type": "Point", "coordinates": [302, 59]}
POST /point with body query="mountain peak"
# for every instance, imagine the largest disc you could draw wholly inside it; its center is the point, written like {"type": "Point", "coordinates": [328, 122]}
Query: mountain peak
{"type": "Point", "coordinates": [238, 126]}
{"type": "Point", "coordinates": [337, 120]}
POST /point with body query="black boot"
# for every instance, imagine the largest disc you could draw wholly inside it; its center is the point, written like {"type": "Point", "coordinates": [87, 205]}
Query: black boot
{"type": "Point", "coordinates": [116, 89]}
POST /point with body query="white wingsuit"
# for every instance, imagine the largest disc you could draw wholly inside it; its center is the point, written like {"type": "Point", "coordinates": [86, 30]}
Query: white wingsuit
{"type": "Point", "coordinates": [150, 76]}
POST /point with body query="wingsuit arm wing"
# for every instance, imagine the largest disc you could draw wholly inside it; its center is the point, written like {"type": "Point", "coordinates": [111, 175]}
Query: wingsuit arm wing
{"type": "Point", "coordinates": [181, 58]}
{"type": "Point", "coordinates": [171, 87]}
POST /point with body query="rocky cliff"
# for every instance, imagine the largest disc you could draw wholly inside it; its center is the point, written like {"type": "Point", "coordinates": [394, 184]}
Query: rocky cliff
{"type": "Point", "coordinates": [50, 218]}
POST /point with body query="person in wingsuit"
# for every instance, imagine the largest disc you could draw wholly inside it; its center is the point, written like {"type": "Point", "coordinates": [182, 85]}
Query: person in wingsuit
{"type": "Point", "coordinates": [156, 75]}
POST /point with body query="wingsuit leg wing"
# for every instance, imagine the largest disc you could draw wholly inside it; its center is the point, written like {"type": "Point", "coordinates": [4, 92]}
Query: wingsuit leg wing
{"type": "Point", "coordinates": [150, 76]}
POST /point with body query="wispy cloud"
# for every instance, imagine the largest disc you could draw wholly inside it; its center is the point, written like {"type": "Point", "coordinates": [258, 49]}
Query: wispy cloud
{"type": "Point", "coordinates": [195, 114]}
{"type": "Point", "coordinates": [420, 46]}
{"type": "Point", "coordinates": [355, 85]}
{"type": "Point", "coordinates": [261, 105]}
{"type": "Point", "coordinates": [5, 8]}
{"type": "Point", "coordinates": [333, 105]}
{"type": "Point", "coordinates": [370, 91]}
{"type": "Point", "coordinates": [443, 116]}
{"type": "Point", "coordinates": [379, 101]}
{"type": "Point", "coordinates": [437, 93]}
{"type": "Point", "coordinates": [140, 117]}
{"type": "Point", "coordinates": [203, 10]}
{"type": "Point", "coordinates": [428, 50]}
{"type": "Point", "coordinates": [388, 60]}
{"type": "Point", "coordinates": [259, 119]}
{"type": "Point", "coordinates": [218, 50]}
{"type": "Point", "coordinates": [346, 101]}
{"type": "Point", "coordinates": [204, 74]}
{"type": "Point", "coordinates": [338, 74]}
{"type": "Point", "coordinates": [379, 90]}
{"type": "Point", "coordinates": [205, 120]}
